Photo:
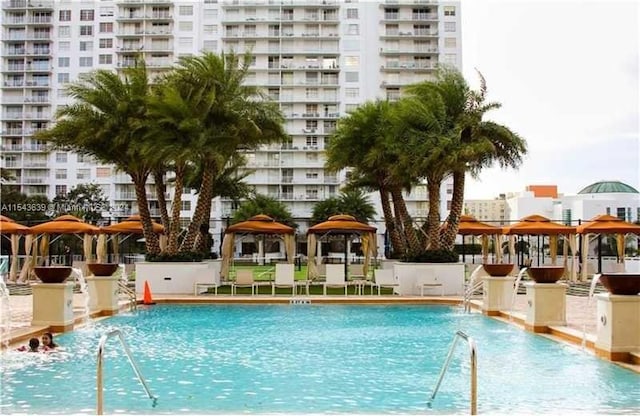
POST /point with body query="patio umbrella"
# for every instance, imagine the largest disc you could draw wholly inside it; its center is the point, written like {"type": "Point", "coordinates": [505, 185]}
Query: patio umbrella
{"type": "Point", "coordinates": [68, 224]}
{"type": "Point", "coordinates": [131, 225]}
{"type": "Point", "coordinates": [345, 225]}
{"type": "Point", "coordinates": [14, 231]}
{"type": "Point", "coordinates": [606, 224]}
{"type": "Point", "coordinates": [539, 225]}
{"type": "Point", "coordinates": [258, 225]}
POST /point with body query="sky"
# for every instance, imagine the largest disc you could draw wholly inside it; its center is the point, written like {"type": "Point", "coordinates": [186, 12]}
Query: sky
{"type": "Point", "coordinates": [566, 74]}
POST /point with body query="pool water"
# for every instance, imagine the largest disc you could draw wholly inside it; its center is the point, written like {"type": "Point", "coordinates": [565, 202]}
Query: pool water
{"type": "Point", "coordinates": [312, 359]}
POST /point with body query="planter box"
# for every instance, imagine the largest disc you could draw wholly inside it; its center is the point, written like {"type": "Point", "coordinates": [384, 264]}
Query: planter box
{"type": "Point", "coordinates": [175, 277]}
{"type": "Point", "coordinates": [451, 275]}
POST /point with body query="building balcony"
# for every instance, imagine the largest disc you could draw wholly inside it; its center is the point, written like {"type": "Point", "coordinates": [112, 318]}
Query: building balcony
{"type": "Point", "coordinates": [35, 164]}
{"type": "Point", "coordinates": [35, 180]}
{"type": "Point", "coordinates": [409, 51]}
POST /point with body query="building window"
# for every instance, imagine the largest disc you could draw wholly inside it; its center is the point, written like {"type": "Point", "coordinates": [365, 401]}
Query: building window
{"type": "Point", "coordinates": [185, 206]}
{"type": "Point", "coordinates": [352, 92]}
{"type": "Point", "coordinates": [449, 10]}
{"type": "Point", "coordinates": [353, 29]}
{"type": "Point", "coordinates": [106, 43]}
{"type": "Point", "coordinates": [64, 46]}
{"type": "Point", "coordinates": [61, 190]}
{"type": "Point", "coordinates": [210, 29]}
{"type": "Point", "coordinates": [106, 27]}
{"type": "Point", "coordinates": [86, 61]}
{"type": "Point", "coordinates": [86, 46]}
{"type": "Point", "coordinates": [103, 172]}
{"type": "Point", "coordinates": [61, 174]}
{"type": "Point", "coordinates": [185, 26]}
{"type": "Point", "coordinates": [210, 45]}
{"type": "Point", "coordinates": [64, 15]}
{"type": "Point", "coordinates": [63, 62]}
{"type": "Point", "coordinates": [449, 26]}
{"type": "Point", "coordinates": [210, 14]}
{"type": "Point", "coordinates": [86, 15]}
{"type": "Point", "coordinates": [186, 10]}
{"type": "Point", "coordinates": [105, 59]}
{"type": "Point", "coordinates": [106, 11]}
{"type": "Point", "coordinates": [352, 76]}
{"type": "Point", "coordinates": [352, 13]}
{"type": "Point", "coordinates": [61, 157]}
{"type": "Point", "coordinates": [83, 174]}
{"type": "Point", "coordinates": [450, 58]}
{"type": "Point", "coordinates": [621, 213]}
{"type": "Point", "coordinates": [63, 78]}
{"type": "Point", "coordinates": [450, 42]}
{"type": "Point", "coordinates": [86, 30]}
{"type": "Point", "coordinates": [185, 43]}
{"type": "Point", "coordinates": [64, 31]}
{"type": "Point", "coordinates": [352, 61]}
{"type": "Point", "coordinates": [350, 107]}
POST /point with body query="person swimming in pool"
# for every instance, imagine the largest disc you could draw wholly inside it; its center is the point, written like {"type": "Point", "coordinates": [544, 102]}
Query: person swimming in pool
{"type": "Point", "coordinates": [34, 346]}
{"type": "Point", "coordinates": [47, 342]}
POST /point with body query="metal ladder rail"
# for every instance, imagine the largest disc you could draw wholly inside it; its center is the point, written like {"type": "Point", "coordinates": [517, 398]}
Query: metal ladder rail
{"type": "Point", "coordinates": [474, 370]}
{"type": "Point", "coordinates": [133, 302]}
{"type": "Point", "coordinates": [468, 294]}
{"type": "Point", "coordinates": [134, 366]}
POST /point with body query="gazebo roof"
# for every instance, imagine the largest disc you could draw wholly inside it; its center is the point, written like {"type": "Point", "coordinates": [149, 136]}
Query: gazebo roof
{"type": "Point", "coordinates": [131, 225]}
{"type": "Point", "coordinates": [9, 226]}
{"type": "Point", "coordinates": [538, 225]}
{"type": "Point", "coordinates": [341, 224]}
{"type": "Point", "coordinates": [608, 224]}
{"type": "Point", "coordinates": [260, 224]}
{"type": "Point", "coordinates": [65, 224]}
{"type": "Point", "coordinates": [471, 226]}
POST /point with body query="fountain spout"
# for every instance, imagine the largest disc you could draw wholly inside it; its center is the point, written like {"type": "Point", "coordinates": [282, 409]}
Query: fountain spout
{"type": "Point", "coordinates": [84, 290]}
{"type": "Point", "coordinates": [5, 315]}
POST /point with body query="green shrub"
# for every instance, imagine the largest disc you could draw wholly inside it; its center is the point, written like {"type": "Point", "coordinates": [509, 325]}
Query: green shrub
{"type": "Point", "coordinates": [188, 256]}
{"type": "Point", "coordinates": [433, 256]}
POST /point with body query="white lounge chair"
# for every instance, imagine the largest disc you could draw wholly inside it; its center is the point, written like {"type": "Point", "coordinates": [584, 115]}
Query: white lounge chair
{"type": "Point", "coordinates": [285, 277]}
{"type": "Point", "coordinates": [358, 279]}
{"type": "Point", "coordinates": [335, 277]}
{"type": "Point", "coordinates": [384, 278]}
{"type": "Point", "coordinates": [428, 280]}
{"type": "Point", "coordinates": [244, 278]}
{"type": "Point", "coordinates": [209, 279]}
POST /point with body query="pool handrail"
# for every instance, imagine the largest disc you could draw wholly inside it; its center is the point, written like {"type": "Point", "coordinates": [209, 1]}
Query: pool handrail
{"type": "Point", "coordinates": [134, 366]}
{"type": "Point", "coordinates": [474, 370]}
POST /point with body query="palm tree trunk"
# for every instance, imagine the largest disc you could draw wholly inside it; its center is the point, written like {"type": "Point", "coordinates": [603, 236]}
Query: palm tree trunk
{"type": "Point", "coordinates": [448, 238]}
{"type": "Point", "coordinates": [389, 221]}
{"type": "Point", "coordinates": [151, 239]}
{"type": "Point", "coordinates": [201, 241]}
{"type": "Point", "coordinates": [202, 207]}
{"type": "Point", "coordinates": [176, 206]}
{"type": "Point", "coordinates": [161, 191]}
{"type": "Point", "coordinates": [433, 219]}
{"type": "Point", "coordinates": [413, 242]}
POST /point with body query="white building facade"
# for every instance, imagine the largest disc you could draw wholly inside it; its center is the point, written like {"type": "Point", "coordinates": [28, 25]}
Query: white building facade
{"type": "Point", "coordinates": [319, 59]}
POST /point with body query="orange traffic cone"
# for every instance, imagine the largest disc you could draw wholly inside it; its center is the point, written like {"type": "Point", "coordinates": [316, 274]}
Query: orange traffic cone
{"type": "Point", "coordinates": [147, 300]}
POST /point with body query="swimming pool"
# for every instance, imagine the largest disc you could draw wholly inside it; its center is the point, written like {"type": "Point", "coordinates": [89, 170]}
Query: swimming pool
{"type": "Point", "coordinates": [313, 359]}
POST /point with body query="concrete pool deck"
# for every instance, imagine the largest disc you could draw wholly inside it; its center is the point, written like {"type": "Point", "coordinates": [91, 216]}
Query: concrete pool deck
{"type": "Point", "coordinates": [581, 313]}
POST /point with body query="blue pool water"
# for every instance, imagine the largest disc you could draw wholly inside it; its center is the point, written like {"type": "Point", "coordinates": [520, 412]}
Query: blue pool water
{"type": "Point", "coordinates": [313, 359]}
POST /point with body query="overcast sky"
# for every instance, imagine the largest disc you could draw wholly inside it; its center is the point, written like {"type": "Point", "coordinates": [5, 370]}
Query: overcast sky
{"type": "Point", "coordinates": [566, 73]}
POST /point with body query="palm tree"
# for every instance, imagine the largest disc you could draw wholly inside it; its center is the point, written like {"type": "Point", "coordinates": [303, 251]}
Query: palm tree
{"type": "Point", "coordinates": [263, 204]}
{"type": "Point", "coordinates": [240, 116]}
{"type": "Point", "coordinates": [363, 141]}
{"type": "Point", "coordinates": [356, 203]}
{"type": "Point", "coordinates": [105, 122]}
{"type": "Point", "coordinates": [324, 209]}
{"type": "Point", "coordinates": [176, 125]}
{"type": "Point", "coordinates": [477, 144]}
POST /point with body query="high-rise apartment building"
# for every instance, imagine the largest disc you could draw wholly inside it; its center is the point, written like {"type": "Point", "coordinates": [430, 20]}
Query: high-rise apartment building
{"type": "Point", "coordinates": [319, 59]}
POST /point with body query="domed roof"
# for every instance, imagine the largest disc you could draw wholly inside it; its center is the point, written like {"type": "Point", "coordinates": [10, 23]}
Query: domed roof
{"type": "Point", "coordinates": [606, 187]}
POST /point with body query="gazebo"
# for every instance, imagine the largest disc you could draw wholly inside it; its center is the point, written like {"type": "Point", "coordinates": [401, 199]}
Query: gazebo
{"type": "Point", "coordinates": [605, 224]}
{"type": "Point", "coordinates": [132, 226]}
{"type": "Point", "coordinates": [347, 226]}
{"type": "Point", "coordinates": [541, 226]}
{"type": "Point", "coordinates": [65, 224]}
{"type": "Point", "coordinates": [468, 225]}
{"type": "Point", "coordinates": [258, 225]}
{"type": "Point", "coordinates": [14, 231]}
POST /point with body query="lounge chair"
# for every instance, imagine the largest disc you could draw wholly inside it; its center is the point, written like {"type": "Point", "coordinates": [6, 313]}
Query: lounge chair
{"type": "Point", "coordinates": [358, 278]}
{"type": "Point", "coordinates": [210, 279]}
{"type": "Point", "coordinates": [285, 277]}
{"type": "Point", "coordinates": [428, 280]}
{"type": "Point", "coordinates": [384, 278]}
{"type": "Point", "coordinates": [244, 278]}
{"type": "Point", "coordinates": [335, 277]}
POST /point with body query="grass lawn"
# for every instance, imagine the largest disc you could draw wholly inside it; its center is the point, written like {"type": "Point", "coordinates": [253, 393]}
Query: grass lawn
{"type": "Point", "coordinates": [266, 273]}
